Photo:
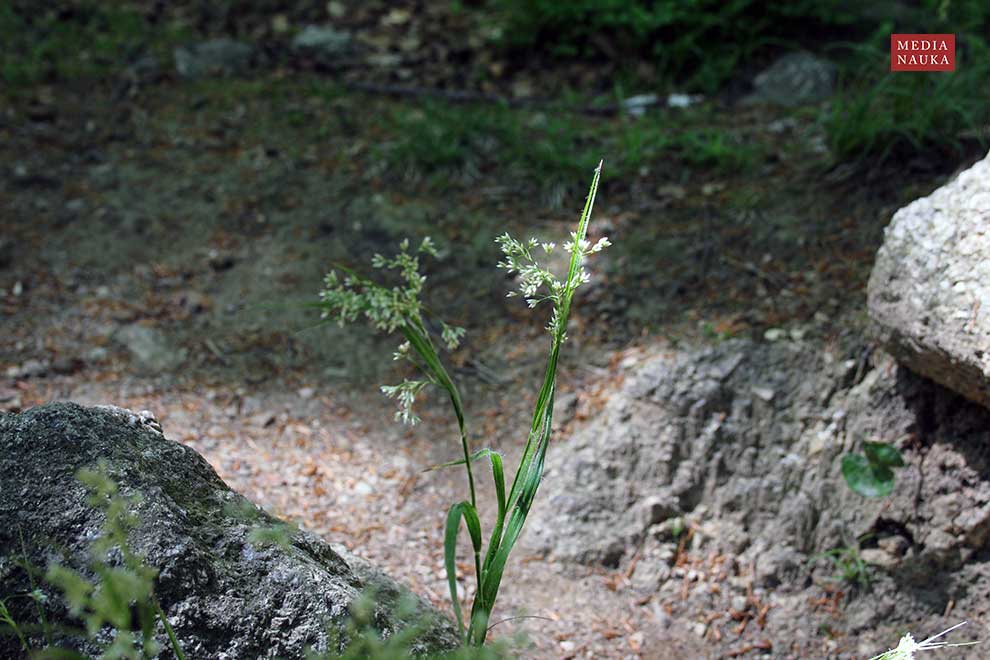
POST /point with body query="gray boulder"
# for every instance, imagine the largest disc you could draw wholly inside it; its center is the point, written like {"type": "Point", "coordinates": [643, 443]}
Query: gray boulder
{"type": "Point", "coordinates": [326, 45]}
{"type": "Point", "coordinates": [151, 350]}
{"type": "Point", "coordinates": [226, 595]}
{"type": "Point", "coordinates": [216, 57]}
{"type": "Point", "coordinates": [929, 292]}
{"type": "Point", "coordinates": [795, 79]}
{"type": "Point", "coordinates": [741, 444]}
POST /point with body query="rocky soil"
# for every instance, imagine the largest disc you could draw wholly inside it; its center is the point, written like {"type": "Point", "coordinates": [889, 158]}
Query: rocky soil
{"type": "Point", "coordinates": [159, 237]}
{"type": "Point", "coordinates": [225, 591]}
{"type": "Point", "coordinates": [712, 480]}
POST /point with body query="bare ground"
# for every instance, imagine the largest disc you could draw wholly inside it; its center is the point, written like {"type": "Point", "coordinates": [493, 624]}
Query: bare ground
{"type": "Point", "coordinates": [172, 210]}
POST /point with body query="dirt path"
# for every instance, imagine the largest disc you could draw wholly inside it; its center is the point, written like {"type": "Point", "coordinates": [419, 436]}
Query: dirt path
{"type": "Point", "coordinates": [337, 464]}
{"type": "Point", "coordinates": [154, 250]}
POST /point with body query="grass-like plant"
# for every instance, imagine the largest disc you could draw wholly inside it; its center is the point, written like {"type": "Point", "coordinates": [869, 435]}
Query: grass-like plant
{"type": "Point", "coordinates": [399, 309]}
{"type": "Point", "coordinates": [882, 118]}
{"type": "Point", "coordinates": [849, 565]}
{"type": "Point", "coordinates": [907, 647]}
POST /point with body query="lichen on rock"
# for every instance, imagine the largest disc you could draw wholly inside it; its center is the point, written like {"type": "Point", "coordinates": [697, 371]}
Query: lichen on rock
{"type": "Point", "coordinates": [226, 594]}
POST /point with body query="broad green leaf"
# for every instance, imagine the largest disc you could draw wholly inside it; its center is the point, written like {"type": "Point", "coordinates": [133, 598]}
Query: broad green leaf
{"type": "Point", "coordinates": [884, 454]}
{"type": "Point", "coordinates": [866, 479]}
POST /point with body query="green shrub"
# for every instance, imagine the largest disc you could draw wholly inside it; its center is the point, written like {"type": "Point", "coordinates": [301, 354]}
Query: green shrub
{"type": "Point", "coordinates": [700, 42]}
{"type": "Point", "coordinates": [44, 42]}
{"type": "Point", "coordinates": [881, 115]}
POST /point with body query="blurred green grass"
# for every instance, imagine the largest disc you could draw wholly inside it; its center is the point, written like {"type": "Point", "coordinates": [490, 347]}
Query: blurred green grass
{"type": "Point", "coordinates": [64, 41]}
{"type": "Point", "coordinates": [874, 117]}
{"type": "Point", "coordinates": [444, 144]}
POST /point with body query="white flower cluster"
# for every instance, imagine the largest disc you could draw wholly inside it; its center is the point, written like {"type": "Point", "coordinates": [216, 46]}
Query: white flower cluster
{"type": "Point", "coordinates": [532, 277]}
{"type": "Point", "coordinates": [388, 309]}
{"type": "Point", "coordinates": [536, 283]}
{"type": "Point", "coordinates": [405, 392]}
{"type": "Point", "coordinates": [908, 647]}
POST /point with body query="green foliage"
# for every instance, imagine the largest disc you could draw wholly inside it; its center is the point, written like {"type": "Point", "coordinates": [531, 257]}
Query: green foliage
{"type": "Point", "coordinates": [443, 143]}
{"type": "Point", "coordinates": [398, 308]}
{"type": "Point", "coordinates": [84, 38]}
{"type": "Point", "coordinates": [446, 142]}
{"type": "Point", "coordinates": [849, 566]}
{"type": "Point", "coordinates": [122, 598]}
{"type": "Point", "coordinates": [8, 621]}
{"type": "Point", "coordinates": [880, 116]}
{"type": "Point", "coordinates": [361, 638]}
{"type": "Point", "coordinates": [876, 116]}
{"type": "Point", "coordinates": [871, 474]}
{"type": "Point", "coordinates": [122, 595]}
{"type": "Point", "coordinates": [966, 17]}
{"type": "Point", "coordinates": [712, 147]}
{"type": "Point", "coordinates": [700, 42]}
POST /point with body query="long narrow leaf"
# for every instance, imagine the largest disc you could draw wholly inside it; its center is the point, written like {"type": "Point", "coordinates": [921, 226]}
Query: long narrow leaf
{"type": "Point", "coordinates": [172, 639]}
{"type": "Point", "coordinates": [481, 453]}
{"type": "Point", "coordinates": [545, 398]}
{"type": "Point", "coordinates": [419, 339]}
{"type": "Point", "coordinates": [530, 471]}
{"type": "Point", "coordinates": [467, 511]}
{"type": "Point", "coordinates": [498, 475]}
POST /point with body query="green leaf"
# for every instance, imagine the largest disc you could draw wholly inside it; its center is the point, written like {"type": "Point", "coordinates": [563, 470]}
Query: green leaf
{"type": "Point", "coordinates": [883, 454]}
{"type": "Point", "coordinates": [471, 521]}
{"type": "Point", "coordinates": [867, 479]}
{"type": "Point", "coordinates": [119, 588]}
{"type": "Point", "coordinates": [75, 587]}
{"type": "Point", "coordinates": [173, 640]}
{"type": "Point", "coordinates": [481, 453]}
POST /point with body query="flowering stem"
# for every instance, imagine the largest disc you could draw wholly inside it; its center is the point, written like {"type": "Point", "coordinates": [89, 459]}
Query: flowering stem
{"type": "Point", "coordinates": [417, 336]}
{"type": "Point", "coordinates": [399, 309]}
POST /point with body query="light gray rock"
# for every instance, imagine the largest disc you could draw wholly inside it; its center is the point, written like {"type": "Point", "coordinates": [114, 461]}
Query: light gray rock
{"type": "Point", "coordinates": [323, 43]}
{"type": "Point", "coordinates": [216, 57]}
{"type": "Point", "coordinates": [691, 436]}
{"type": "Point", "coordinates": [225, 594]}
{"type": "Point", "coordinates": [929, 292]}
{"type": "Point", "coordinates": [150, 348]}
{"type": "Point", "coordinates": [795, 79]}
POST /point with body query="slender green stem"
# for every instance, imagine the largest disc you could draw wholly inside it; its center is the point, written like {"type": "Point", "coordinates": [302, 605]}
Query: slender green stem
{"type": "Point", "coordinates": [416, 333]}
{"type": "Point", "coordinates": [530, 471]}
{"type": "Point", "coordinates": [34, 590]}
{"type": "Point", "coordinates": [173, 640]}
{"type": "Point", "coordinates": [7, 619]}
